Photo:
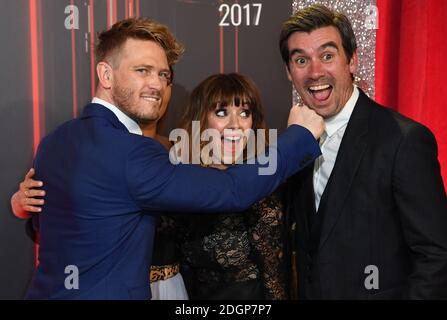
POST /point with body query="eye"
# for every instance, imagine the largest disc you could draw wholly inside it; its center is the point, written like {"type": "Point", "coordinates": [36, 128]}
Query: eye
{"type": "Point", "coordinates": [142, 70]}
{"type": "Point", "coordinates": [221, 112]}
{"type": "Point", "coordinates": [328, 56]}
{"type": "Point", "coordinates": [300, 61]}
{"type": "Point", "coordinates": [245, 113]}
{"type": "Point", "coordinates": [165, 75]}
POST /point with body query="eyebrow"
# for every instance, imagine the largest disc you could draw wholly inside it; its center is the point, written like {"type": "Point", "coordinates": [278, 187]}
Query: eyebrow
{"type": "Point", "coordinates": [150, 67]}
{"type": "Point", "coordinates": [330, 44]}
{"type": "Point", "coordinates": [143, 66]}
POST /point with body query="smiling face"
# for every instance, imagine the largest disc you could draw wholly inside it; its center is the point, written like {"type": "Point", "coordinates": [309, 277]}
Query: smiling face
{"type": "Point", "coordinates": [228, 104]}
{"type": "Point", "coordinates": [231, 121]}
{"type": "Point", "coordinates": [320, 70]}
{"type": "Point", "coordinates": [140, 80]}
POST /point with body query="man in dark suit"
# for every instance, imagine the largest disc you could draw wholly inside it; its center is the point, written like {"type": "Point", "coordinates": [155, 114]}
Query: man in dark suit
{"type": "Point", "coordinates": [106, 184]}
{"type": "Point", "coordinates": [370, 216]}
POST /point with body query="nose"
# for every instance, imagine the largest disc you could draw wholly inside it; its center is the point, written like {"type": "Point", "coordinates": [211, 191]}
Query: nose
{"type": "Point", "coordinates": [316, 69]}
{"type": "Point", "coordinates": [154, 81]}
{"type": "Point", "coordinates": [234, 121]}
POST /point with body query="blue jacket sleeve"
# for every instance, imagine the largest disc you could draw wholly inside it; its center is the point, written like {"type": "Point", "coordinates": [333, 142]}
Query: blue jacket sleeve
{"type": "Point", "coordinates": [156, 184]}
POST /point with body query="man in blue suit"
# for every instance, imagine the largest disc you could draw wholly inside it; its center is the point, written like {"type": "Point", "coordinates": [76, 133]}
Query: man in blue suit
{"type": "Point", "coordinates": [106, 184]}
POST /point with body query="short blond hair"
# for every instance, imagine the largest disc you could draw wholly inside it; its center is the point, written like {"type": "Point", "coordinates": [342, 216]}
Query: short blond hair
{"type": "Point", "coordinates": [110, 42]}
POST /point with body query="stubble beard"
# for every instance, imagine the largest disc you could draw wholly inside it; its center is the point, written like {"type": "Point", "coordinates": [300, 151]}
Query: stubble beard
{"type": "Point", "coordinates": [124, 98]}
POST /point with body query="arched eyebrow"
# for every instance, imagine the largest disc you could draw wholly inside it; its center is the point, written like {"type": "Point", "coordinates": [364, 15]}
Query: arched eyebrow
{"type": "Point", "coordinates": [296, 51]}
{"type": "Point", "coordinates": [329, 44]}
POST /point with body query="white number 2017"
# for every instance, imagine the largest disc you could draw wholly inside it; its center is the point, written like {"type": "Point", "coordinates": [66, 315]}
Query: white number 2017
{"type": "Point", "coordinates": [235, 13]}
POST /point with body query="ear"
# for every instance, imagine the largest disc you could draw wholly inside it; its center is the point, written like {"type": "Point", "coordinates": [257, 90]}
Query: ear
{"type": "Point", "coordinates": [105, 74]}
{"type": "Point", "coordinates": [353, 64]}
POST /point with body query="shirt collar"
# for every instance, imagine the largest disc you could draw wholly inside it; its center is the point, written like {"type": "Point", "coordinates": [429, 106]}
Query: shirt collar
{"type": "Point", "coordinates": [130, 124]}
{"type": "Point", "coordinates": [336, 122]}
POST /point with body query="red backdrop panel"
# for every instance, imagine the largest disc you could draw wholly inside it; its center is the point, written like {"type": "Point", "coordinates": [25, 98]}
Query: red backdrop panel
{"type": "Point", "coordinates": [411, 64]}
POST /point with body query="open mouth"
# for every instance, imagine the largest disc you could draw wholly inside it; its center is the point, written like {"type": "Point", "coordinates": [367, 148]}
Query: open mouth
{"type": "Point", "coordinates": [231, 138]}
{"type": "Point", "coordinates": [231, 143]}
{"type": "Point", "coordinates": [321, 92]}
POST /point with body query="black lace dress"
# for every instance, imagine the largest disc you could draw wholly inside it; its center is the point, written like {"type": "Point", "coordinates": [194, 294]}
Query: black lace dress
{"type": "Point", "coordinates": [235, 256]}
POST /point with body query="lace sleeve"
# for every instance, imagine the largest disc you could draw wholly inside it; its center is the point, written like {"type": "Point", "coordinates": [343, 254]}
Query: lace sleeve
{"type": "Point", "coordinates": [266, 230]}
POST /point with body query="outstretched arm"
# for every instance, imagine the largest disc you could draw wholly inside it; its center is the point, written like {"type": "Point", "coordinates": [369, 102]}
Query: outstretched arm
{"type": "Point", "coordinates": [191, 188]}
{"type": "Point", "coordinates": [156, 184]}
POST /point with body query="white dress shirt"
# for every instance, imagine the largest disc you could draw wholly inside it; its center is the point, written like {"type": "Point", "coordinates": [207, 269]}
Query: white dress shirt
{"type": "Point", "coordinates": [330, 143]}
{"type": "Point", "coordinates": [130, 124]}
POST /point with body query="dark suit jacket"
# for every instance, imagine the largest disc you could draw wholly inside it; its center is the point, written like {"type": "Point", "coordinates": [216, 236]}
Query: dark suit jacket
{"type": "Point", "coordinates": [384, 205]}
{"type": "Point", "coordinates": [105, 189]}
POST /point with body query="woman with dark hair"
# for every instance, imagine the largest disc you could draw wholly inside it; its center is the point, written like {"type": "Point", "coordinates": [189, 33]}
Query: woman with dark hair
{"type": "Point", "coordinates": [231, 256]}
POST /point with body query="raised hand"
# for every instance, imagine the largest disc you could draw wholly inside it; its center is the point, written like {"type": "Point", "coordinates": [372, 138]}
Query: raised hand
{"type": "Point", "coordinates": [307, 118]}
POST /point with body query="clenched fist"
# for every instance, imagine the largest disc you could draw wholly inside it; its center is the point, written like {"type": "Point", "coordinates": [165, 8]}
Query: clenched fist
{"type": "Point", "coordinates": [308, 119]}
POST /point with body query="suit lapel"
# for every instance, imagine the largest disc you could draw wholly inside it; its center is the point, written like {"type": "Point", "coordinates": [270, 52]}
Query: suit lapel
{"type": "Point", "coordinates": [349, 156]}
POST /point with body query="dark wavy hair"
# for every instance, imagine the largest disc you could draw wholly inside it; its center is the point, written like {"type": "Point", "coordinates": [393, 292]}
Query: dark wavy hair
{"type": "Point", "coordinates": [312, 18]}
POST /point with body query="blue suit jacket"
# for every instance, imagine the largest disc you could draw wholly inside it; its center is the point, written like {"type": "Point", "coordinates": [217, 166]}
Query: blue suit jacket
{"type": "Point", "coordinates": [105, 189]}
